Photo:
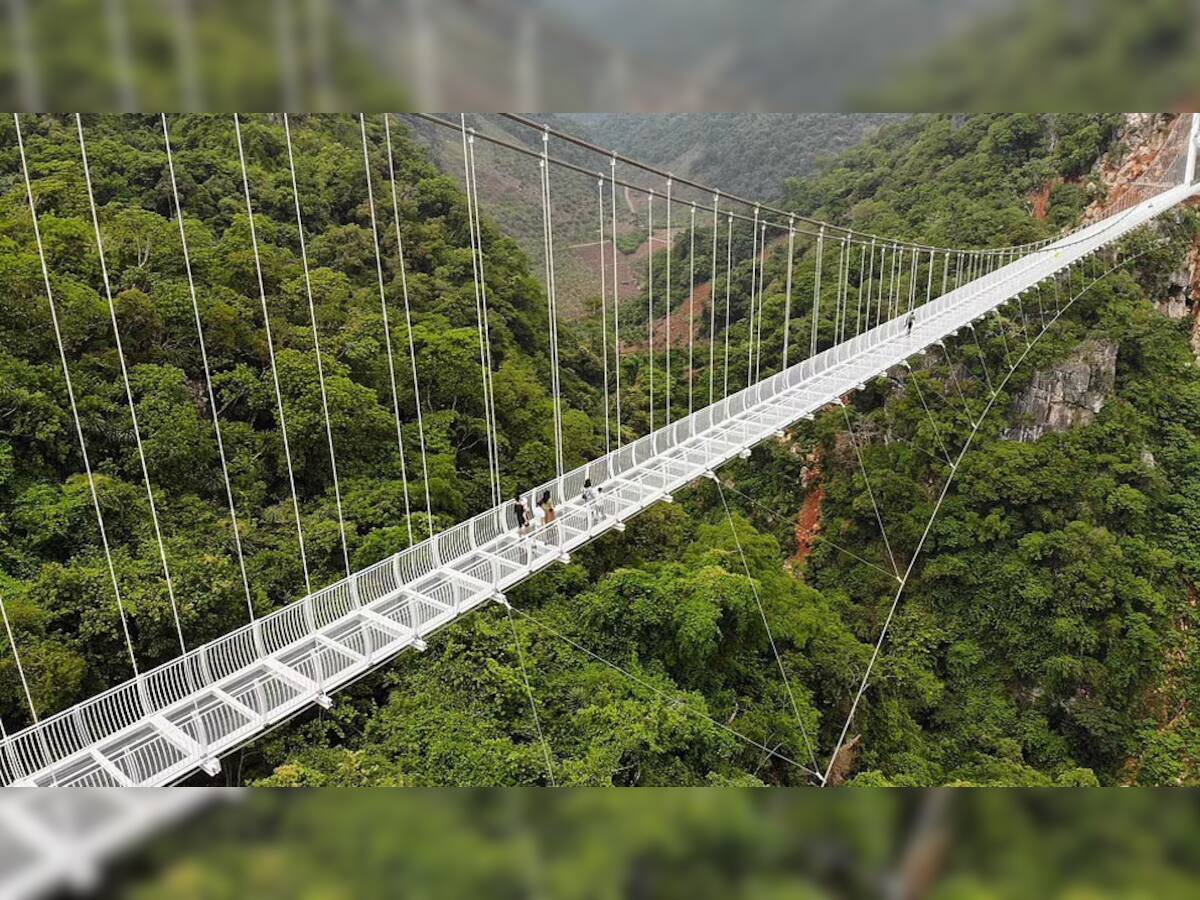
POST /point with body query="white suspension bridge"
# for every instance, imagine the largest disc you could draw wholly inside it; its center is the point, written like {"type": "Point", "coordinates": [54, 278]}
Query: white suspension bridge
{"type": "Point", "coordinates": [170, 721]}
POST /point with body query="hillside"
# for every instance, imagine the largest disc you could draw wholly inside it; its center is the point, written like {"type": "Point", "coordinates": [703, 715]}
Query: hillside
{"type": "Point", "coordinates": [750, 154]}
{"type": "Point", "coordinates": [1045, 634]}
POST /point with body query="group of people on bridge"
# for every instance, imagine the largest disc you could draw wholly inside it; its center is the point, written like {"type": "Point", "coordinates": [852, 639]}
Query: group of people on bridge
{"type": "Point", "coordinates": [530, 517]}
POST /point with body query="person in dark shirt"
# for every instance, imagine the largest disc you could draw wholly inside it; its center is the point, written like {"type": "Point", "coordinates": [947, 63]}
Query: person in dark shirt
{"type": "Point", "coordinates": [520, 513]}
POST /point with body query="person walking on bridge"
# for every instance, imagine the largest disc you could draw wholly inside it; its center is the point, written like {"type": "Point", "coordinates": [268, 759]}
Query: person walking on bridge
{"type": "Point", "coordinates": [520, 513]}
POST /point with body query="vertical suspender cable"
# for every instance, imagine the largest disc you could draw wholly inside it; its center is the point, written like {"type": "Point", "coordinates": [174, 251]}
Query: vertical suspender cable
{"type": "Point", "coordinates": [12, 643]}
{"type": "Point", "coordinates": [692, 304]}
{"type": "Point", "coordinates": [612, 202]}
{"type": "Point", "coordinates": [846, 286]}
{"type": "Point", "coordinates": [895, 295]}
{"type": "Point", "coordinates": [812, 350]}
{"type": "Point", "coordinates": [212, 396]}
{"type": "Point", "coordinates": [548, 227]}
{"type": "Point", "coordinates": [787, 303]}
{"type": "Point", "coordinates": [862, 272]}
{"type": "Point", "coordinates": [87, 465]}
{"type": "Point", "coordinates": [262, 295]}
{"type": "Point", "coordinates": [750, 312]}
{"type": "Point", "coordinates": [762, 272]}
{"type": "Point", "coordinates": [929, 283]}
{"type": "Point", "coordinates": [870, 285]}
{"type": "Point", "coordinates": [487, 332]}
{"type": "Point", "coordinates": [604, 317]}
{"type": "Point", "coordinates": [839, 331]}
{"type": "Point", "coordinates": [483, 366]}
{"type": "Point", "coordinates": [412, 350]}
{"type": "Point", "coordinates": [650, 296]}
{"type": "Point", "coordinates": [883, 249]}
{"type": "Point", "coordinates": [137, 434]}
{"type": "Point", "coordinates": [912, 282]}
{"type": "Point", "coordinates": [312, 318]}
{"type": "Point", "coordinates": [712, 307]}
{"type": "Point", "coordinates": [728, 278]}
{"type": "Point", "coordinates": [670, 248]}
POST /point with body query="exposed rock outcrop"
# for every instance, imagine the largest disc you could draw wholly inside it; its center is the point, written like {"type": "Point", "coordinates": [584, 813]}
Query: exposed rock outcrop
{"type": "Point", "coordinates": [1141, 139]}
{"type": "Point", "coordinates": [1068, 394]}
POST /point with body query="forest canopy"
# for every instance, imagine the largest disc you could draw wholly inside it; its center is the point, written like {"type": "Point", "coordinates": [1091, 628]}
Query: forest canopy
{"type": "Point", "coordinates": [1044, 633]}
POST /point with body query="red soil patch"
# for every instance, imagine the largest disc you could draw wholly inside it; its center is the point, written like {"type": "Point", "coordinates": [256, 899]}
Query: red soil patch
{"type": "Point", "coordinates": [808, 520]}
{"type": "Point", "coordinates": [695, 305]}
{"type": "Point", "coordinates": [1040, 200]}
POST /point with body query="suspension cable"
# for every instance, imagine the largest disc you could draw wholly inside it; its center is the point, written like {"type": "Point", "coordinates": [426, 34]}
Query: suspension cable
{"type": "Point", "coordinates": [537, 722]}
{"type": "Point", "coordinates": [62, 355]}
{"type": "Point", "coordinates": [903, 580]}
{"type": "Point", "coordinates": [670, 248]}
{"type": "Point", "coordinates": [870, 492]}
{"type": "Point", "coordinates": [604, 317]}
{"type": "Point", "coordinates": [487, 332]}
{"type": "Point", "coordinates": [212, 396]}
{"type": "Point", "coordinates": [548, 240]}
{"type": "Point", "coordinates": [766, 625]}
{"type": "Point", "coordinates": [728, 279]}
{"type": "Point", "coordinates": [12, 643]}
{"type": "Point", "coordinates": [674, 700]}
{"type": "Point", "coordinates": [816, 315]}
{"type": "Point", "coordinates": [485, 349]}
{"type": "Point", "coordinates": [712, 307]}
{"type": "Point", "coordinates": [262, 294]}
{"type": "Point", "coordinates": [412, 350]}
{"type": "Point", "coordinates": [692, 305]}
{"type": "Point", "coordinates": [839, 294]}
{"type": "Point", "coordinates": [312, 317]}
{"type": "Point", "coordinates": [483, 367]}
{"type": "Point", "coordinates": [137, 435]}
{"type": "Point", "coordinates": [645, 167]}
{"type": "Point", "coordinates": [612, 202]}
{"type": "Point", "coordinates": [750, 313]}
{"type": "Point", "coordinates": [787, 304]}
{"type": "Point", "coordinates": [650, 297]}
{"type": "Point", "coordinates": [762, 298]}
{"type": "Point", "coordinates": [867, 267]}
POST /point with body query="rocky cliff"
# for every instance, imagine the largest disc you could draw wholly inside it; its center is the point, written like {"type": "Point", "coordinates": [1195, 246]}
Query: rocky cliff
{"type": "Point", "coordinates": [1067, 394]}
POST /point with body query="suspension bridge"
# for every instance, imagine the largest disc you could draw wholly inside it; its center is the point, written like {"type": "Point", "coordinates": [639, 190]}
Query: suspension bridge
{"type": "Point", "coordinates": [168, 722]}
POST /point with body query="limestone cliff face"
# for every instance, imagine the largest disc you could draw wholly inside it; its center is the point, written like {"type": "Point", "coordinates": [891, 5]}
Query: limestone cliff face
{"type": "Point", "coordinates": [1068, 394]}
{"type": "Point", "coordinates": [1143, 142]}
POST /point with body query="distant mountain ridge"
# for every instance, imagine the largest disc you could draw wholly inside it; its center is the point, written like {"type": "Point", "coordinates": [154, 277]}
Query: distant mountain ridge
{"type": "Point", "coordinates": [749, 153]}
